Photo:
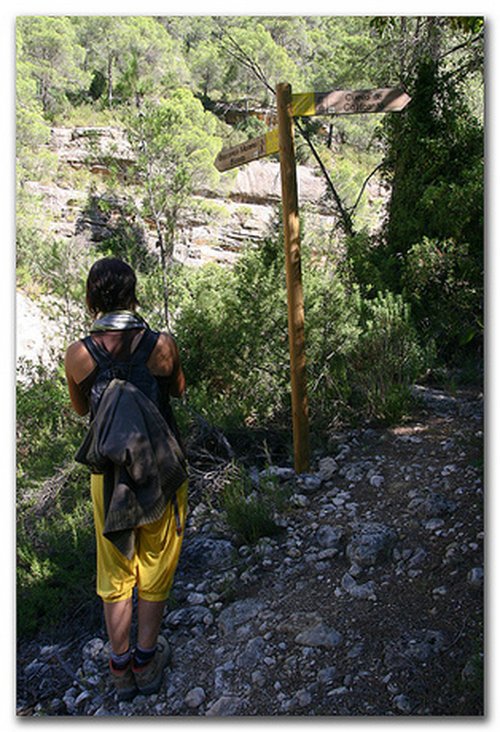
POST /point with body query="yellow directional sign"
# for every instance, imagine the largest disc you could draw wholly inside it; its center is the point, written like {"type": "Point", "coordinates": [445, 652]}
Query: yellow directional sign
{"type": "Point", "coordinates": [259, 147]}
{"type": "Point", "coordinates": [344, 101]}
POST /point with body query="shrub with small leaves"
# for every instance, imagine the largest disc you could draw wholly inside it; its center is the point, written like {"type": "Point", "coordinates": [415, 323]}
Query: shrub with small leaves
{"type": "Point", "coordinates": [250, 510]}
{"type": "Point", "coordinates": [386, 360]}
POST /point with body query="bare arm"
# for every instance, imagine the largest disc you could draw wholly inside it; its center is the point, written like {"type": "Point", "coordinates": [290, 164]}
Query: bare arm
{"type": "Point", "coordinates": [165, 361]}
{"type": "Point", "coordinates": [76, 361]}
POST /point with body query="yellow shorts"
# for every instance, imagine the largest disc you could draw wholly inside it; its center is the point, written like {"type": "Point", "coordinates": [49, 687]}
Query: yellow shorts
{"type": "Point", "coordinates": [158, 547]}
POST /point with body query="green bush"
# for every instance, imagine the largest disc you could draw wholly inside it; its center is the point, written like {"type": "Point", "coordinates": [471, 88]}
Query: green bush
{"type": "Point", "coordinates": [32, 236]}
{"type": "Point", "coordinates": [231, 326]}
{"type": "Point", "coordinates": [55, 552]}
{"type": "Point", "coordinates": [127, 235]}
{"type": "Point", "coordinates": [332, 330]}
{"type": "Point", "coordinates": [442, 281]}
{"type": "Point", "coordinates": [48, 431]}
{"type": "Point", "coordinates": [205, 333]}
{"type": "Point", "coordinates": [436, 152]}
{"type": "Point", "coordinates": [55, 555]}
{"type": "Point", "coordinates": [250, 511]}
{"type": "Point", "coordinates": [364, 264]}
{"type": "Point", "coordinates": [386, 359]}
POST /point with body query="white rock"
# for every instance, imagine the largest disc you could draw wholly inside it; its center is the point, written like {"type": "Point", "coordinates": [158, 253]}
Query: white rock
{"type": "Point", "coordinates": [377, 481]}
{"type": "Point", "coordinates": [196, 598]}
{"type": "Point", "coordinates": [226, 706]}
{"type": "Point", "coordinates": [298, 500]}
{"type": "Point", "coordinates": [327, 468]}
{"type": "Point", "coordinates": [476, 576]}
{"type": "Point", "coordinates": [195, 697]}
{"type": "Point", "coordinates": [258, 678]}
{"type": "Point", "coordinates": [434, 524]}
{"type": "Point", "coordinates": [319, 635]}
{"type": "Point", "coordinates": [277, 472]}
{"type": "Point", "coordinates": [303, 697]}
{"type": "Point", "coordinates": [82, 697]}
{"type": "Point", "coordinates": [402, 703]}
{"type": "Point", "coordinates": [309, 483]}
{"type": "Point", "coordinates": [364, 591]}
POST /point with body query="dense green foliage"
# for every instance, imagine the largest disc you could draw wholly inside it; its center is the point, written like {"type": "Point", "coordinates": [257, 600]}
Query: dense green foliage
{"type": "Point", "coordinates": [434, 246]}
{"type": "Point", "coordinates": [362, 354]}
{"type": "Point", "coordinates": [386, 301]}
{"type": "Point", "coordinates": [54, 531]}
{"type": "Point", "coordinates": [251, 513]}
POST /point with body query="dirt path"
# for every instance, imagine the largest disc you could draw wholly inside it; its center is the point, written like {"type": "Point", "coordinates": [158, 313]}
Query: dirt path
{"type": "Point", "coordinates": [370, 603]}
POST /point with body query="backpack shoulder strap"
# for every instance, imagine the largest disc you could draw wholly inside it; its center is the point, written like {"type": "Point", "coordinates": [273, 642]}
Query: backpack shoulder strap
{"type": "Point", "coordinates": [145, 347]}
{"type": "Point", "coordinates": [98, 353]}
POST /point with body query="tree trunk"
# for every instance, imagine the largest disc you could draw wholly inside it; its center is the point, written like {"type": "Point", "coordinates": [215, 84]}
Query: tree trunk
{"type": "Point", "coordinates": [164, 261]}
{"type": "Point", "coordinates": [345, 219]}
{"type": "Point", "coordinates": [330, 137]}
{"type": "Point", "coordinates": [110, 81]}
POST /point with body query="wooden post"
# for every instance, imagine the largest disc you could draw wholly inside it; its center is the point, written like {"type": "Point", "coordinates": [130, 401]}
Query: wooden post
{"type": "Point", "coordinates": [289, 197]}
{"type": "Point", "coordinates": [339, 101]}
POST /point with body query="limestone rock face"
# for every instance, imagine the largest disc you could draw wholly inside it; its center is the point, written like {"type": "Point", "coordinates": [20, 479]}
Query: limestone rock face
{"type": "Point", "coordinates": [38, 337]}
{"type": "Point", "coordinates": [241, 208]}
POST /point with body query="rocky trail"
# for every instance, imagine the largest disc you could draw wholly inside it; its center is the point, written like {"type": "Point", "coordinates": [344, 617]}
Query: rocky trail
{"type": "Point", "coordinates": [368, 603]}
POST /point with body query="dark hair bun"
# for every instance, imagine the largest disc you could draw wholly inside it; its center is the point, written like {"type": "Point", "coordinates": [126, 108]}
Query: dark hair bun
{"type": "Point", "coordinates": [111, 285]}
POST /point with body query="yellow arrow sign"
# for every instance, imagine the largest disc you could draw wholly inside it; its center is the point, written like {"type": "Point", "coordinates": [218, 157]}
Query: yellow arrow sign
{"type": "Point", "coordinates": [344, 101]}
{"type": "Point", "coordinates": [259, 147]}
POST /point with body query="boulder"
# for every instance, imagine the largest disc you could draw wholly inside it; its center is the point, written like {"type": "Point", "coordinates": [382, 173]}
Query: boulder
{"type": "Point", "coordinates": [371, 544]}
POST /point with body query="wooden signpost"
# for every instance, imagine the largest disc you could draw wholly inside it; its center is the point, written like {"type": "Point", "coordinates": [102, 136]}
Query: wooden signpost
{"type": "Point", "coordinates": [349, 102]}
{"type": "Point", "coordinates": [259, 147]}
{"type": "Point", "coordinates": [281, 140]}
{"type": "Point", "coordinates": [296, 343]}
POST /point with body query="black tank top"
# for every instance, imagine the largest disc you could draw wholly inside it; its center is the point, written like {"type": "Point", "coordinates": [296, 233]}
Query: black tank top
{"type": "Point", "coordinates": [118, 343]}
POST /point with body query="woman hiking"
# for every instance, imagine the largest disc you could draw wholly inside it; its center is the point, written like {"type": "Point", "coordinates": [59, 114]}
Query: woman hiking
{"type": "Point", "coordinates": [119, 337]}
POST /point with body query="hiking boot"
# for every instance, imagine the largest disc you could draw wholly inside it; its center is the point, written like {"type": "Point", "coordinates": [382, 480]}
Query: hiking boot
{"type": "Point", "coordinates": [124, 682]}
{"type": "Point", "coordinates": [148, 678]}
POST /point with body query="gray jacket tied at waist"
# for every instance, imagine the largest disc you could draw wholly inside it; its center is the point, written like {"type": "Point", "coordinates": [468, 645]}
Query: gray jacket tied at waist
{"type": "Point", "coordinates": [131, 443]}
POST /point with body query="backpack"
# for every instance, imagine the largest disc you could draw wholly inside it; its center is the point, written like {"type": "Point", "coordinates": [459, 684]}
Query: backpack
{"type": "Point", "coordinates": [133, 369]}
{"type": "Point", "coordinates": [129, 433]}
